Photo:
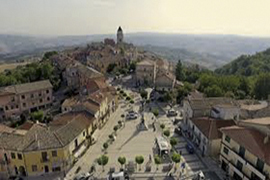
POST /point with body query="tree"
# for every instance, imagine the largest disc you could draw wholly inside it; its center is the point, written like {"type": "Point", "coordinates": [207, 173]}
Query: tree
{"type": "Point", "coordinates": [157, 160]}
{"type": "Point", "coordinates": [111, 67]}
{"type": "Point", "coordinates": [139, 160]}
{"type": "Point", "coordinates": [115, 128]}
{"type": "Point", "coordinates": [213, 91]}
{"type": "Point", "coordinates": [119, 123]}
{"type": "Point", "coordinates": [132, 66]}
{"type": "Point", "coordinates": [102, 161]}
{"type": "Point", "coordinates": [105, 146]}
{"type": "Point", "coordinates": [143, 94]}
{"type": "Point", "coordinates": [49, 54]}
{"type": "Point", "coordinates": [173, 141]}
{"type": "Point", "coordinates": [38, 115]}
{"type": "Point", "coordinates": [162, 126]}
{"type": "Point", "coordinates": [122, 160]}
{"type": "Point", "coordinates": [155, 112]}
{"type": "Point", "coordinates": [176, 158]}
{"type": "Point", "coordinates": [262, 86]}
{"type": "Point", "coordinates": [179, 71]}
{"type": "Point", "coordinates": [167, 133]}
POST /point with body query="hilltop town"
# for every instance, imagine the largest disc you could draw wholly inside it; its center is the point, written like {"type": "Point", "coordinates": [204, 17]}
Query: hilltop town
{"type": "Point", "coordinates": [111, 110]}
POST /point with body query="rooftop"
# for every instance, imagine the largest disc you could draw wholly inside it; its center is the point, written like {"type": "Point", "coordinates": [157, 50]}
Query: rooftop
{"type": "Point", "coordinates": [210, 127]}
{"type": "Point", "coordinates": [250, 139]}
{"type": "Point", "coordinates": [208, 103]}
{"type": "Point", "coordinates": [26, 87]}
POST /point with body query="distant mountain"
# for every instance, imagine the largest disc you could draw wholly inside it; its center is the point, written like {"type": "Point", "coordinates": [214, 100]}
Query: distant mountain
{"type": "Point", "coordinates": [248, 65]}
{"type": "Point", "coordinates": [211, 50]}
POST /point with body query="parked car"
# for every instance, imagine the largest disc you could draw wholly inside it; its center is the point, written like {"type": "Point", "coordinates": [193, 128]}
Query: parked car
{"type": "Point", "coordinates": [190, 148]}
{"type": "Point", "coordinates": [172, 112]}
{"type": "Point", "coordinates": [178, 131]}
{"type": "Point", "coordinates": [177, 120]}
{"type": "Point", "coordinates": [132, 115]}
{"type": "Point", "coordinates": [118, 176]}
{"type": "Point", "coordinates": [83, 176]}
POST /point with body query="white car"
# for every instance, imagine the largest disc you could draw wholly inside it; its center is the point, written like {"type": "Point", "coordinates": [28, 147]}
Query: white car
{"type": "Point", "coordinates": [132, 116]}
{"type": "Point", "coordinates": [172, 112]}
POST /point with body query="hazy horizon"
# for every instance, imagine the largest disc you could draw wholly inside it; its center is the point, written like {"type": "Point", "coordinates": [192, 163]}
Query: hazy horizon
{"type": "Point", "coordinates": [95, 17]}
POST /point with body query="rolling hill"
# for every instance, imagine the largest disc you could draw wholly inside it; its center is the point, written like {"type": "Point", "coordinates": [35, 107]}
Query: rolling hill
{"type": "Point", "coordinates": [248, 65]}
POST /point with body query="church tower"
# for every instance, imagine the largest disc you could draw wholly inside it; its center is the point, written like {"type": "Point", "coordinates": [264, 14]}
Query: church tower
{"type": "Point", "coordinates": [120, 35]}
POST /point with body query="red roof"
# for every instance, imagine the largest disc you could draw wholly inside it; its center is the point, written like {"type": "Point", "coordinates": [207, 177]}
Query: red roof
{"type": "Point", "coordinates": [210, 127]}
{"type": "Point", "coordinates": [250, 139]}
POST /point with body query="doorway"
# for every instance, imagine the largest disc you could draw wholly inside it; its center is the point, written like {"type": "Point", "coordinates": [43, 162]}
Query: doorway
{"type": "Point", "coordinates": [46, 169]}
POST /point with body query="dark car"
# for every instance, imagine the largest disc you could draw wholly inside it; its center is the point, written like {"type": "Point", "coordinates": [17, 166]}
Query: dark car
{"type": "Point", "coordinates": [178, 131]}
{"type": "Point", "coordinates": [190, 148]}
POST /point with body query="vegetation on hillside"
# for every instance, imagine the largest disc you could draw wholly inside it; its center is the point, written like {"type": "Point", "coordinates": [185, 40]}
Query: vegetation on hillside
{"type": "Point", "coordinates": [32, 72]}
{"type": "Point", "coordinates": [246, 77]}
{"type": "Point", "coordinates": [248, 65]}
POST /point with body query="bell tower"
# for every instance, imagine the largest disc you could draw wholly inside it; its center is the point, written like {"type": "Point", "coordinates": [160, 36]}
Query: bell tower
{"type": "Point", "coordinates": [120, 35]}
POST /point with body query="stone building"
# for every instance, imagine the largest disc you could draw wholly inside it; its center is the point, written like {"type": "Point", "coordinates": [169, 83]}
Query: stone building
{"type": "Point", "coordinates": [146, 73]}
{"type": "Point", "coordinates": [28, 97]}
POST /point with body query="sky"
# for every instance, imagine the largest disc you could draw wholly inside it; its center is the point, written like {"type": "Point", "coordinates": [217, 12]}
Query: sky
{"type": "Point", "coordinates": [85, 17]}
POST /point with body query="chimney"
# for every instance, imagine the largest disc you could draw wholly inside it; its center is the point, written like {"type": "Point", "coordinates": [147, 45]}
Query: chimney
{"type": "Point", "coordinates": [266, 139]}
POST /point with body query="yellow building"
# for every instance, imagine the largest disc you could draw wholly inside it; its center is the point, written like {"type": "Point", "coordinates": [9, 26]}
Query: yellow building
{"type": "Point", "coordinates": [46, 148]}
{"type": "Point", "coordinates": [245, 153]}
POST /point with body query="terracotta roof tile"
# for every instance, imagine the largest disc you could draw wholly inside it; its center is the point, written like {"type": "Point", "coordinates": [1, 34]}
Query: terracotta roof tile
{"type": "Point", "coordinates": [250, 139]}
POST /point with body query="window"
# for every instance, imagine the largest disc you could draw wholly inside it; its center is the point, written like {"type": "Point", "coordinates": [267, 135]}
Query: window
{"type": "Point", "coordinates": [260, 165]}
{"type": "Point", "coordinates": [32, 95]}
{"type": "Point", "coordinates": [11, 107]}
{"type": "Point", "coordinates": [6, 107]}
{"type": "Point", "coordinates": [23, 96]}
{"type": "Point", "coordinates": [13, 155]}
{"type": "Point", "coordinates": [226, 150]}
{"type": "Point", "coordinates": [17, 106]}
{"type": "Point", "coordinates": [54, 153]}
{"type": "Point", "coordinates": [239, 165]}
{"type": "Point", "coordinates": [228, 139]}
{"type": "Point", "coordinates": [34, 168]}
{"type": "Point", "coordinates": [44, 156]}
{"type": "Point", "coordinates": [84, 133]}
{"type": "Point", "coordinates": [24, 104]}
{"type": "Point", "coordinates": [242, 151]}
{"type": "Point", "coordinates": [19, 156]}
{"type": "Point", "coordinates": [47, 91]}
{"type": "Point", "coordinates": [12, 99]}
{"type": "Point", "coordinates": [40, 100]}
{"type": "Point", "coordinates": [48, 98]}
{"type": "Point", "coordinates": [39, 94]}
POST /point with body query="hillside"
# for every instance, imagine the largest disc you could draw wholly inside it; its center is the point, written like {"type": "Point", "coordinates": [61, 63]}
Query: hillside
{"type": "Point", "coordinates": [211, 51]}
{"type": "Point", "coordinates": [248, 65]}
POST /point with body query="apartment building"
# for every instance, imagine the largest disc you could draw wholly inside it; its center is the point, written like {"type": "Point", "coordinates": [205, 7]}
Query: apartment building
{"type": "Point", "coordinates": [77, 75]}
{"type": "Point", "coordinates": [100, 104]}
{"type": "Point", "coordinates": [204, 132]}
{"type": "Point", "coordinates": [45, 148]}
{"type": "Point", "coordinates": [216, 107]}
{"type": "Point", "coordinates": [245, 150]}
{"type": "Point", "coordinates": [28, 97]}
{"type": "Point", "coordinates": [146, 72]}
